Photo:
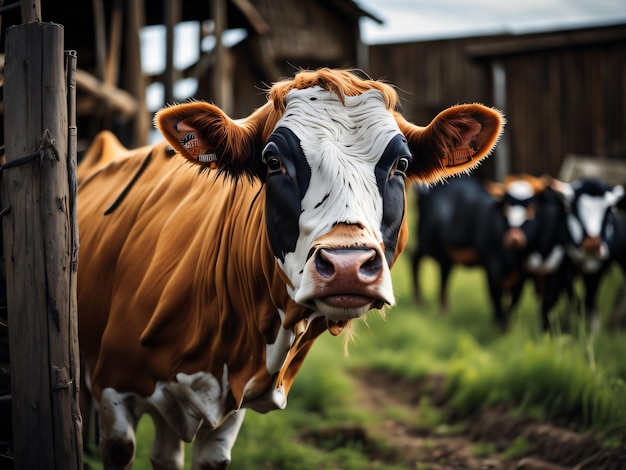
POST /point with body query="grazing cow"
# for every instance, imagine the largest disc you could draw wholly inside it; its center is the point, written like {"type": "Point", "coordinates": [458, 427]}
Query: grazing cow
{"type": "Point", "coordinates": [597, 236]}
{"type": "Point", "coordinates": [512, 230]}
{"type": "Point", "coordinates": [200, 296]}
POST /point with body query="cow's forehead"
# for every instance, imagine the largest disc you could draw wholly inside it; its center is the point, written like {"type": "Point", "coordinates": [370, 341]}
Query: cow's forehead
{"type": "Point", "coordinates": [520, 190]}
{"type": "Point", "coordinates": [361, 125]}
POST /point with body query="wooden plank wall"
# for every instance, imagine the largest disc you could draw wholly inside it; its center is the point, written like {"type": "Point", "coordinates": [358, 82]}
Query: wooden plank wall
{"type": "Point", "coordinates": [565, 91]}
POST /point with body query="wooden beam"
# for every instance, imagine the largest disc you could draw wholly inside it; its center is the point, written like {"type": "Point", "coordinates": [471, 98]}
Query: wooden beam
{"type": "Point", "coordinates": [117, 99]}
{"type": "Point", "coordinates": [253, 16]}
{"type": "Point", "coordinates": [222, 84]}
{"type": "Point", "coordinates": [135, 82]}
{"type": "Point", "coordinates": [31, 11]}
{"type": "Point", "coordinates": [111, 74]}
{"type": "Point", "coordinates": [173, 12]}
{"type": "Point", "coordinates": [99, 37]}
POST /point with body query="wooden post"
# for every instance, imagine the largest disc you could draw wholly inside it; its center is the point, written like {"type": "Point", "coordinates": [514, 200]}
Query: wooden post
{"type": "Point", "coordinates": [31, 10]}
{"type": "Point", "coordinates": [39, 248]}
{"type": "Point", "coordinates": [136, 19]}
{"type": "Point", "coordinates": [172, 12]}
{"type": "Point", "coordinates": [222, 81]}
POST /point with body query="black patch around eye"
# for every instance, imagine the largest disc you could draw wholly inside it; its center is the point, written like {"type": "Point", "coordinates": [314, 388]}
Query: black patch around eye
{"type": "Point", "coordinates": [285, 191]}
{"type": "Point", "coordinates": [287, 146]}
{"type": "Point", "coordinates": [396, 147]}
{"type": "Point", "coordinates": [392, 192]}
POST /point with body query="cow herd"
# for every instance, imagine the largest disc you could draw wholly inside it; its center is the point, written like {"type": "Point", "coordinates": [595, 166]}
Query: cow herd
{"type": "Point", "coordinates": [536, 228]}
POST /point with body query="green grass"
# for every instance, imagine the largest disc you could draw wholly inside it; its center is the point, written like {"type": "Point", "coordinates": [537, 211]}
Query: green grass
{"type": "Point", "coordinates": [576, 378]}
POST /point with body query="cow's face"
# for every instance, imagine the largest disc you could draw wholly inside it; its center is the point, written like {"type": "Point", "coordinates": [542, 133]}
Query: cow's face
{"type": "Point", "coordinates": [333, 156]}
{"type": "Point", "coordinates": [518, 197]}
{"type": "Point", "coordinates": [335, 199]}
{"type": "Point", "coordinates": [520, 211]}
{"type": "Point", "coordinates": [589, 220]}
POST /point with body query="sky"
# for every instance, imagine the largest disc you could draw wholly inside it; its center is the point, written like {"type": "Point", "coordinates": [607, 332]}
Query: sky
{"type": "Point", "coordinates": [412, 20]}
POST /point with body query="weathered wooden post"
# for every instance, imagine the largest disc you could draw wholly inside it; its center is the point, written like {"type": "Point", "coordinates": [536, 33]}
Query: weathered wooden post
{"type": "Point", "coordinates": [40, 251]}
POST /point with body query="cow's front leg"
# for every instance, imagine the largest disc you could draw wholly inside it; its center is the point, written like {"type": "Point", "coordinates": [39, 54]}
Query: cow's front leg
{"type": "Point", "coordinates": [211, 447]}
{"type": "Point", "coordinates": [117, 425]}
{"type": "Point", "coordinates": [167, 451]}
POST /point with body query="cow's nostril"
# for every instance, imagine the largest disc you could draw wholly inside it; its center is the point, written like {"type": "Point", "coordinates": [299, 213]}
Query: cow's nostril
{"type": "Point", "coordinates": [372, 266]}
{"type": "Point", "coordinates": [323, 264]}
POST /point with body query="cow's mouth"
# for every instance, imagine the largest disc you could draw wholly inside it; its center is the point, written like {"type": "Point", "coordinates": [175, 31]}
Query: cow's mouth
{"type": "Point", "coordinates": [339, 307]}
{"type": "Point", "coordinates": [347, 300]}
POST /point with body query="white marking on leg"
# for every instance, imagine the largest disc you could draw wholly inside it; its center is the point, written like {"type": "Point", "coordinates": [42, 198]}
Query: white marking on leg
{"type": "Point", "coordinates": [212, 447]}
{"type": "Point", "coordinates": [535, 263]}
{"type": "Point", "coordinates": [167, 448]}
{"type": "Point", "coordinates": [185, 403]}
{"type": "Point", "coordinates": [118, 421]}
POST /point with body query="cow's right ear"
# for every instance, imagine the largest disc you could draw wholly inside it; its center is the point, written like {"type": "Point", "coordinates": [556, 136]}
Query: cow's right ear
{"type": "Point", "coordinates": [206, 136]}
{"type": "Point", "coordinates": [454, 142]}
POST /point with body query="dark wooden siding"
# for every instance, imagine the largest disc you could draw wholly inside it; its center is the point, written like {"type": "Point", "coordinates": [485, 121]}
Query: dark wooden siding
{"type": "Point", "coordinates": [430, 76]}
{"type": "Point", "coordinates": [565, 91]}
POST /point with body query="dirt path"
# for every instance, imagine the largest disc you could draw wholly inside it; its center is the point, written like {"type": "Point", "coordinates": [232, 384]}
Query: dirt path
{"type": "Point", "coordinates": [478, 443]}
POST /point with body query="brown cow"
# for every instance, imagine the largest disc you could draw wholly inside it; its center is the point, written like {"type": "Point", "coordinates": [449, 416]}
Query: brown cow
{"type": "Point", "coordinates": [200, 292]}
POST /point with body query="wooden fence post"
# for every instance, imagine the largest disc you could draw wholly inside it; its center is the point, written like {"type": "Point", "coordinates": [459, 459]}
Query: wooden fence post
{"type": "Point", "coordinates": [40, 251]}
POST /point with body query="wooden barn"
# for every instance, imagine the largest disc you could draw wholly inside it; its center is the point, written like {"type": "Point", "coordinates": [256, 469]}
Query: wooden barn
{"type": "Point", "coordinates": [563, 92]}
{"type": "Point", "coordinates": [276, 37]}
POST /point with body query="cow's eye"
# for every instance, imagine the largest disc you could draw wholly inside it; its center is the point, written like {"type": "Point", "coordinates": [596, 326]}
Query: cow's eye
{"type": "Point", "coordinates": [273, 163]}
{"type": "Point", "coordinates": [402, 165]}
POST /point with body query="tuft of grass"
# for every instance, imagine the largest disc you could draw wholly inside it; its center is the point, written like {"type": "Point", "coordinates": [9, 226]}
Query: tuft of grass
{"type": "Point", "coordinates": [518, 448]}
{"type": "Point", "coordinates": [551, 378]}
{"type": "Point", "coordinates": [428, 416]}
{"type": "Point", "coordinates": [483, 449]}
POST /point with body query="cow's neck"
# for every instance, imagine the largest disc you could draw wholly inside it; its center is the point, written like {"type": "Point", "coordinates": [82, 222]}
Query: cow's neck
{"type": "Point", "coordinates": [279, 332]}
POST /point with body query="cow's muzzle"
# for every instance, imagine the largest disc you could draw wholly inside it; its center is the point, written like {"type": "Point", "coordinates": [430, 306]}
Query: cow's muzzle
{"type": "Point", "coordinates": [514, 239]}
{"type": "Point", "coordinates": [347, 281]}
{"type": "Point", "coordinates": [591, 246]}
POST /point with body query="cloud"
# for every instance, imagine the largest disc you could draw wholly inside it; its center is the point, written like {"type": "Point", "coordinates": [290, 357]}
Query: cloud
{"type": "Point", "coordinates": [410, 20]}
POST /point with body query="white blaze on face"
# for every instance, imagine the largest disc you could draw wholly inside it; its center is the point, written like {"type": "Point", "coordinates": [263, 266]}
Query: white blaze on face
{"type": "Point", "coordinates": [342, 145]}
{"type": "Point", "coordinates": [592, 210]}
{"type": "Point", "coordinates": [517, 214]}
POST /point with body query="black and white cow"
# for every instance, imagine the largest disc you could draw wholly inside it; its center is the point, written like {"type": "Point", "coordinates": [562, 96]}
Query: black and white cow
{"type": "Point", "coordinates": [597, 235]}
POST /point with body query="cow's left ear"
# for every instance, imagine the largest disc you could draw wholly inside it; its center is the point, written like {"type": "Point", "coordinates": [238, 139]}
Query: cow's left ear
{"type": "Point", "coordinates": [206, 136]}
{"type": "Point", "coordinates": [454, 142]}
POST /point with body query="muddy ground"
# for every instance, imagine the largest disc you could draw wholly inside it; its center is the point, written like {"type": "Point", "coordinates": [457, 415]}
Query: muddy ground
{"type": "Point", "coordinates": [479, 442]}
